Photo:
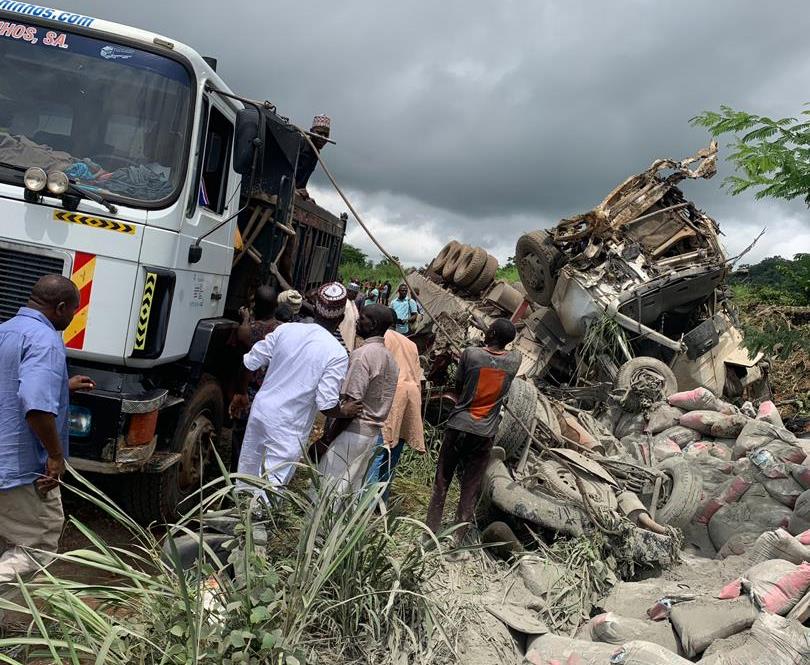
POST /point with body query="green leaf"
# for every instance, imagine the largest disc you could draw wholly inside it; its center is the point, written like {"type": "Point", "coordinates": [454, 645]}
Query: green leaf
{"type": "Point", "coordinates": [177, 630]}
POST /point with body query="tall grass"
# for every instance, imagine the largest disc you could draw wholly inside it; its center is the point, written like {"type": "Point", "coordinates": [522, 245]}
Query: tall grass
{"type": "Point", "coordinates": [335, 582]}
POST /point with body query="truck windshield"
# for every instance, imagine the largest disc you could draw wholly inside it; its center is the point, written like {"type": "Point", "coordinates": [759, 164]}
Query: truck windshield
{"type": "Point", "coordinates": [114, 118]}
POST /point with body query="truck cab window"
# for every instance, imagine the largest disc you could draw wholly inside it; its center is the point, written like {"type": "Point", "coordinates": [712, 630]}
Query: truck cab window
{"type": "Point", "coordinates": [216, 160]}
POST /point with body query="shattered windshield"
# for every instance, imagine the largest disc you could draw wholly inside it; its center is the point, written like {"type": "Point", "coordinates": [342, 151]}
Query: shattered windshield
{"type": "Point", "coordinates": [114, 118]}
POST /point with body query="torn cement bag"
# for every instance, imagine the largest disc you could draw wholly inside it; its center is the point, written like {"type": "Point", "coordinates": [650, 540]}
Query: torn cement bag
{"type": "Point", "coordinates": [757, 433]}
{"type": "Point", "coordinates": [755, 513]}
{"type": "Point", "coordinates": [773, 641]}
{"type": "Point", "coordinates": [775, 585]}
{"type": "Point", "coordinates": [638, 652]}
{"type": "Point", "coordinates": [544, 648]}
{"type": "Point", "coordinates": [715, 424]}
{"type": "Point", "coordinates": [679, 434]}
{"type": "Point", "coordinates": [700, 399]}
{"type": "Point", "coordinates": [705, 620]}
{"type": "Point", "coordinates": [729, 492]}
{"type": "Point", "coordinates": [779, 544]}
{"type": "Point", "coordinates": [611, 628]}
{"type": "Point", "coordinates": [662, 416]}
{"type": "Point", "coordinates": [770, 414]}
{"type": "Point", "coordinates": [800, 519]}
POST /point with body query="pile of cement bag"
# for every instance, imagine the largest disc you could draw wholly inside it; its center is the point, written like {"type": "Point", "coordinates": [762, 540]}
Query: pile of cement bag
{"type": "Point", "coordinates": [756, 473]}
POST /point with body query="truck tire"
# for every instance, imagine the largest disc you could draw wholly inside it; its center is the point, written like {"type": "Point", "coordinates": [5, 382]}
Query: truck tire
{"type": "Point", "coordinates": [681, 500]}
{"type": "Point", "coordinates": [486, 277]}
{"type": "Point", "coordinates": [470, 267]}
{"type": "Point", "coordinates": [156, 497]}
{"type": "Point", "coordinates": [644, 367]}
{"type": "Point", "coordinates": [537, 261]}
{"type": "Point", "coordinates": [441, 258]}
{"type": "Point", "coordinates": [453, 259]}
{"type": "Point", "coordinates": [523, 404]}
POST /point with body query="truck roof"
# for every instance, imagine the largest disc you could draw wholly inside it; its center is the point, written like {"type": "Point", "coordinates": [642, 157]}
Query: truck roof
{"type": "Point", "coordinates": [110, 30]}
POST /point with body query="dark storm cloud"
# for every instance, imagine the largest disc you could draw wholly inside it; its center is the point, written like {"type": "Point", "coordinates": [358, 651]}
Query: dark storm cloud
{"type": "Point", "coordinates": [465, 115]}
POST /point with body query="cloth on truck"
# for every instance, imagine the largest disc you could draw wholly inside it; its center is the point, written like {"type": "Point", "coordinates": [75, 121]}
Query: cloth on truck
{"type": "Point", "coordinates": [23, 151]}
{"type": "Point", "coordinates": [700, 622]}
{"type": "Point", "coordinates": [28, 521]}
{"type": "Point", "coordinates": [138, 182]}
{"type": "Point", "coordinates": [775, 585]}
{"type": "Point", "coordinates": [773, 640]}
{"type": "Point", "coordinates": [306, 366]}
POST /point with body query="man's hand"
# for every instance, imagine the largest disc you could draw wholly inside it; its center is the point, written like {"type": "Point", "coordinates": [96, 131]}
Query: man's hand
{"type": "Point", "coordinates": [80, 382]}
{"type": "Point", "coordinates": [244, 312]}
{"type": "Point", "coordinates": [351, 408]}
{"type": "Point", "coordinates": [54, 468]}
{"type": "Point", "coordinates": [239, 404]}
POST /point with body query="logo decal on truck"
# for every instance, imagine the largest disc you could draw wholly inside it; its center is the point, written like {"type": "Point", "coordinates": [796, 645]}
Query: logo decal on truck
{"type": "Point", "coordinates": [146, 309]}
{"type": "Point", "coordinates": [84, 266]}
{"type": "Point", "coordinates": [95, 222]}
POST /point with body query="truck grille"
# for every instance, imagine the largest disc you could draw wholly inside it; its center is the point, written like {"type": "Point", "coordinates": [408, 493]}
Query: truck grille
{"type": "Point", "coordinates": [19, 271]}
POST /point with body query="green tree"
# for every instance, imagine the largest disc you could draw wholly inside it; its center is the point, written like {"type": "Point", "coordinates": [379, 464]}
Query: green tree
{"type": "Point", "coordinates": [352, 255]}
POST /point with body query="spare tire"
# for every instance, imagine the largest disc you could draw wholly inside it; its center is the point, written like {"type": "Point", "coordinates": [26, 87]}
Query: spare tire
{"type": "Point", "coordinates": [644, 368]}
{"type": "Point", "coordinates": [522, 403]}
{"type": "Point", "coordinates": [537, 261]}
{"type": "Point", "coordinates": [486, 277]}
{"type": "Point", "coordinates": [441, 259]}
{"type": "Point", "coordinates": [453, 259]}
{"type": "Point", "coordinates": [680, 493]}
{"type": "Point", "coordinates": [470, 267]}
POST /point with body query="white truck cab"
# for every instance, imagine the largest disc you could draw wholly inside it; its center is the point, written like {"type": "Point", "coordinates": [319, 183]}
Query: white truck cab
{"type": "Point", "coordinates": [119, 151]}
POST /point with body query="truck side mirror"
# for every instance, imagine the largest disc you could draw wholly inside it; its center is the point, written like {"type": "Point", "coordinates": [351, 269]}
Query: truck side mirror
{"type": "Point", "coordinates": [247, 140]}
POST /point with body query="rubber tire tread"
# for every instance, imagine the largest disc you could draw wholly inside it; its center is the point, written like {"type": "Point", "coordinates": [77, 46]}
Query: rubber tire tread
{"type": "Point", "coordinates": [470, 268]}
{"type": "Point", "coordinates": [511, 436]}
{"type": "Point", "coordinates": [441, 258]}
{"type": "Point", "coordinates": [684, 500]}
{"type": "Point", "coordinates": [155, 497]}
{"type": "Point", "coordinates": [624, 378]}
{"type": "Point", "coordinates": [539, 244]}
{"type": "Point", "coordinates": [486, 277]}
{"type": "Point", "coordinates": [453, 260]}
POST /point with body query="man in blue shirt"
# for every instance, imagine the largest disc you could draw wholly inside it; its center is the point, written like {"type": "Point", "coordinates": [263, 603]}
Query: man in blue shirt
{"type": "Point", "coordinates": [34, 390]}
{"type": "Point", "coordinates": [406, 310]}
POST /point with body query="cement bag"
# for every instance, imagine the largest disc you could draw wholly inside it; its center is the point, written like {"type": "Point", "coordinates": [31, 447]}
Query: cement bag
{"type": "Point", "coordinates": [703, 621]}
{"type": "Point", "coordinates": [679, 434]}
{"type": "Point", "coordinates": [629, 423]}
{"type": "Point", "coordinates": [757, 433]}
{"type": "Point", "coordinates": [713, 448]}
{"type": "Point", "coordinates": [544, 648]}
{"type": "Point", "coordinates": [785, 490]}
{"type": "Point", "coordinates": [800, 519]}
{"type": "Point", "coordinates": [699, 399]}
{"type": "Point", "coordinates": [713, 472]}
{"type": "Point", "coordinates": [662, 416]}
{"type": "Point", "coordinates": [801, 474]}
{"type": "Point", "coordinates": [779, 544]}
{"type": "Point", "coordinates": [729, 492]}
{"type": "Point", "coordinates": [665, 449]}
{"type": "Point", "coordinates": [715, 424]}
{"type": "Point", "coordinates": [770, 414]}
{"type": "Point", "coordinates": [755, 513]}
{"type": "Point", "coordinates": [804, 537]}
{"type": "Point", "coordinates": [775, 586]}
{"type": "Point", "coordinates": [611, 628]}
{"type": "Point", "coordinates": [645, 653]}
{"type": "Point", "coordinates": [773, 641]}
{"type": "Point", "coordinates": [737, 545]}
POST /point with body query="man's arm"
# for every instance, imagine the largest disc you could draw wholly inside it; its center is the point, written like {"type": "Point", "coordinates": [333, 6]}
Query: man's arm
{"type": "Point", "coordinates": [414, 310]}
{"type": "Point", "coordinates": [461, 372]}
{"type": "Point", "coordinates": [328, 397]}
{"type": "Point", "coordinates": [43, 425]}
{"type": "Point", "coordinates": [259, 356]}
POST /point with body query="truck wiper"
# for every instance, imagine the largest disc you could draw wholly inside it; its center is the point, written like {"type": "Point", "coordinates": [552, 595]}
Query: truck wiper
{"type": "Point", "coordinates": [73, 188]}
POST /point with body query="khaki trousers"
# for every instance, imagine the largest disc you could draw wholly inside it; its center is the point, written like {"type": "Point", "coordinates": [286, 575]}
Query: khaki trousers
{"type": "Point", "coordinates": [28, 521]}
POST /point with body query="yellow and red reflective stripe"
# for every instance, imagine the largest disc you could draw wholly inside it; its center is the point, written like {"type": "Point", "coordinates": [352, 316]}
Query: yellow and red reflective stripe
{"type": "Point", "coordinates": [84, 265]}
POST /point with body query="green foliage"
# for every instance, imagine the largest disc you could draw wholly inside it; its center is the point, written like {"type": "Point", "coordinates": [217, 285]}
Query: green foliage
{"type": "Point", "coordinates": [336, 582]}
{"type": "Point", "coordinates": [775, 281]}
{"type": "Point", "coordinates": [350, 255]}
{"type": "Point", "coordinates": [771, 156]}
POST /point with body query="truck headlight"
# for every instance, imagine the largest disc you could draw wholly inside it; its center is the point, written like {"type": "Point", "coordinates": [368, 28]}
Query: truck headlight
{"type": "Point", "coordinates": [58, 183]}
{"type": "Point", "coordinates": [79, 420]}
{"type": "Point", "coordinates": [35, 179]}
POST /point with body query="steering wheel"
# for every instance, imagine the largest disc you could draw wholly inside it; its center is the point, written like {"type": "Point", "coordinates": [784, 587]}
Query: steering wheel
{"type": "Point", "coordinates": [108, 161]}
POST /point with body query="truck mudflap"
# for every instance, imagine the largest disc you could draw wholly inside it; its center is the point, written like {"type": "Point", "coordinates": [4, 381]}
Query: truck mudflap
{"type": "Point", "coordinates": [115, 433]}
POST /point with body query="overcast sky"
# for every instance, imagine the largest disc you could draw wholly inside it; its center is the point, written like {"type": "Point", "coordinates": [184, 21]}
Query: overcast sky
{"type": "Point", "coordinates": [479, 121]}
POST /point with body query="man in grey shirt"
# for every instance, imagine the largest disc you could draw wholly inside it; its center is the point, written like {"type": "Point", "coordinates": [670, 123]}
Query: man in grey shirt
{"type": "Point", "coordinates": [483, 379]}
{"type": "Point", "coordinates": [372, 380]}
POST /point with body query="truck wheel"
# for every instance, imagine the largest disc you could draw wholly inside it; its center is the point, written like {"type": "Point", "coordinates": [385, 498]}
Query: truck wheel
{"type": "Point", "coordinates": [470, 267]}
{"type": "Point", "coordinates": [523, 404]}
{"type": "Point", "coordinates": [441, 259]}
{"type": "Point", "coordinates": [486, 277]}
{"type": "Point", "coordinates": [537, 261]}
{"type": "Point", "coordinates": [644, 371]}
{"type": "Point", "coordinates": [453, 259]}
{"type": "Point", "coordinates": [680, 493]}
{"type": "Point", "coordinates": [155, 497]}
